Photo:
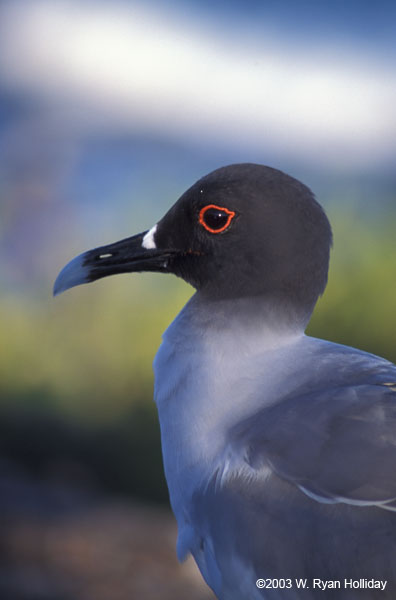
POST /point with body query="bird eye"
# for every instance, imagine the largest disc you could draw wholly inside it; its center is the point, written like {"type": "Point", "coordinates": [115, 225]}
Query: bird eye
{"type": "Point", "coordinates": [215, 218]}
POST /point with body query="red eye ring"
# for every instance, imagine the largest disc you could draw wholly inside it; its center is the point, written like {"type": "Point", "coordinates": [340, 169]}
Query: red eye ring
{"type": "Point", "coordinates": [230, 214]}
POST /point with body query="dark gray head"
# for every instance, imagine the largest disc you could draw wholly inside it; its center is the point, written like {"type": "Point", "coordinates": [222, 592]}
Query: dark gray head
{"type": "Point", "coordinates": [244, 230]}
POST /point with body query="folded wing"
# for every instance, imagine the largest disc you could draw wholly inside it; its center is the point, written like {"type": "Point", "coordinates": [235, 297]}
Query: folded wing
{"type": "Point", "coordinates": [336, 444]}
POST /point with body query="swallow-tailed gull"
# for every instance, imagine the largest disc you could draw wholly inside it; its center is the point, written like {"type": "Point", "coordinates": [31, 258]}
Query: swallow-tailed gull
{"type": "Point", "coordinates": [279, 449]}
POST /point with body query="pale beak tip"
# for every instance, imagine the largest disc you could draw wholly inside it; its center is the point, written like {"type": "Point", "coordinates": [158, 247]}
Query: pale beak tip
{"type": "Point", "coordinates": [74, 273]}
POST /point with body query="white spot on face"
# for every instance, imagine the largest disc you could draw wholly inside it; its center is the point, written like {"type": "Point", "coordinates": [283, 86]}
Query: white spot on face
{"type": "Point", "coordinates": [148, 240]}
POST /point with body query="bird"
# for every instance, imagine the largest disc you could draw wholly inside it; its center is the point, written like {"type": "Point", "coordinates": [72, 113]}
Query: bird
{"type": "Point", "coordinates": [279, 449]}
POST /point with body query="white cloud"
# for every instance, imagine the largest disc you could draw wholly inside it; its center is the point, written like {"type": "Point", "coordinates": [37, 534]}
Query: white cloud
{"type": "Point", "coordinates": [125, 66]}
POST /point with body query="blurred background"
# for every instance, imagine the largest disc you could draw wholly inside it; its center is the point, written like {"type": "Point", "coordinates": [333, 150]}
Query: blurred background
{"type": "Point", "coordinates": [108, 112]}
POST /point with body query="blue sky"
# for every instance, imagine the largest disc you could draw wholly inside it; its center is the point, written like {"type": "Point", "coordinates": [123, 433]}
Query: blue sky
{"type": "Point", "coordinates": [314, 80]}
{"type": "Point", "coordinates": [353, 21]}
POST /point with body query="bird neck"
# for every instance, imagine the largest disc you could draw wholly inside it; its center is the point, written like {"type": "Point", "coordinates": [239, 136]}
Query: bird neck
{"type": "Point", "coordinates": [248, 321]}
{"type": "Point", "coordinates": [274, 312]}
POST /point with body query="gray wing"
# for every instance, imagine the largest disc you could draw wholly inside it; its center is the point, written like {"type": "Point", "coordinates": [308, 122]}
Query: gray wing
{"type": "Point", "coordinates": [336, 445]}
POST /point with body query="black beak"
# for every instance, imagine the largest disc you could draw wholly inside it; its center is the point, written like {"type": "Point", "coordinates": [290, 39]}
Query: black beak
{"type": "Point", "coordinates": [125, 256]}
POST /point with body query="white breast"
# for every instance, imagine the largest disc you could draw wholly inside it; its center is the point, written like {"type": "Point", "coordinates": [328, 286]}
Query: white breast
{"type": "Point", "coordinates": [205, 382]}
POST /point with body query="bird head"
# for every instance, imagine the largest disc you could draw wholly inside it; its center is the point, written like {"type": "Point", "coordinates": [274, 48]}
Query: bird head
{"type": "Point", "coordinates": [243, 230]}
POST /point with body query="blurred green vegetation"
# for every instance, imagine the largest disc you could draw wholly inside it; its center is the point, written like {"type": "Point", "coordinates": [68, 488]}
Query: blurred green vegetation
{"type": "Point", "coordinates": [358, 306]}
{"type": "Point", "coordinates": [75, 371]}
{"type": "Point", "coordinates": [90, 350]}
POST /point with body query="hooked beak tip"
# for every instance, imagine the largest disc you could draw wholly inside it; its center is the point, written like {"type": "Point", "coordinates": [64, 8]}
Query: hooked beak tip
{"type": "Point", "coordinates": [74, 273]}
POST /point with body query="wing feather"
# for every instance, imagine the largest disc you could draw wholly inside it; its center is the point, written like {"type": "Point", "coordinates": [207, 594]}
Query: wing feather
{"type": "Point", "coordinates": [336, 445]}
